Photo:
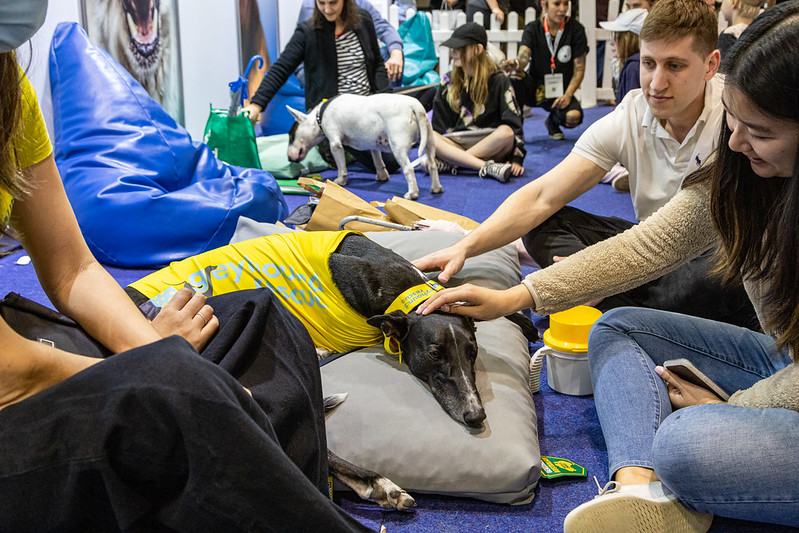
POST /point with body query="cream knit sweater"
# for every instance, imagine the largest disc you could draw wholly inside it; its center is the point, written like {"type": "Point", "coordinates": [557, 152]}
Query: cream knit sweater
{"type": "Point", "coordinates": [675, 234]}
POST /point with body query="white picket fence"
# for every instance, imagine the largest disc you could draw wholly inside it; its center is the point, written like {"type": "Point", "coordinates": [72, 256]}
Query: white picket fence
{"type": "Point", "coordinates": [444, 22]}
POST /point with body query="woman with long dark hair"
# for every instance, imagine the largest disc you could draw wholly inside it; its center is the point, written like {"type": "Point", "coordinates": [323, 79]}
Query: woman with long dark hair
{"type": "Point", "coordinates": [678, 454]}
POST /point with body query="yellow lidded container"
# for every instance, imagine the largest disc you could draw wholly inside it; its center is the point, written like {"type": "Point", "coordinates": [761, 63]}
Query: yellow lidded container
{"type": "Point", "coordinates": [568, 330]}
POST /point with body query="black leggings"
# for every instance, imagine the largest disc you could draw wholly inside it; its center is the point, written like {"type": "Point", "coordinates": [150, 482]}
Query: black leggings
{"type": "Point", "coordinates": [690, 289]}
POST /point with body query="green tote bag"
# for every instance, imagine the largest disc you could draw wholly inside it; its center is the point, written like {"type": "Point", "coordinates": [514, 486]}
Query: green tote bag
{"type": "Point", "coordinates": [232, 139]}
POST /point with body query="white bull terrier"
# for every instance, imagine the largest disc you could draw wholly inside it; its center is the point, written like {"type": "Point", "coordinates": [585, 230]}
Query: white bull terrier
{"type": "Point", "coordinates": [378, 123]}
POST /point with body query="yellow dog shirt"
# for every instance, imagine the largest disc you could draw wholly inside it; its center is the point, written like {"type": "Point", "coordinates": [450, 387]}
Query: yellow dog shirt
{"type": "Point", "coordinates": [294, 266]}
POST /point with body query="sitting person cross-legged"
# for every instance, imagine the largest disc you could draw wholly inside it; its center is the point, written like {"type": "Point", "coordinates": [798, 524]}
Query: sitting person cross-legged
{"type": "Point", "coordinates": [475, 115]}
{"type": "Point", "coordinates": [550, 66]}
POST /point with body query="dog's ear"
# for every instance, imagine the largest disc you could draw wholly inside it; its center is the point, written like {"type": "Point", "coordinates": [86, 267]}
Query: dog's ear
{"type": "Point", "coordinates": [299, 116]}
{"type": "Point", "coordinates": [394, 324]}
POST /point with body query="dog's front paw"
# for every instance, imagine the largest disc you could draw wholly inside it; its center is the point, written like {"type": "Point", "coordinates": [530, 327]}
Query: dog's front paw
{"type": "Point", "coordinates": [412, 195]}
{"type": "Point", "coordinates": [382, 175]}
{"type": "Point", "coordinates": [341, 180]}
{"type": "Point", "coordinates": [321, 353]}
{"type": "Point", "coordinates": [389, 495]}
{"type": "Point", "coordinates": [436, 189]}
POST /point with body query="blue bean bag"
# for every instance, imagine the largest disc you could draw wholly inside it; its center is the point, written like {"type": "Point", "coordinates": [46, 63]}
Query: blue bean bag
{"type": "Point", "coordinates": [144, 193]}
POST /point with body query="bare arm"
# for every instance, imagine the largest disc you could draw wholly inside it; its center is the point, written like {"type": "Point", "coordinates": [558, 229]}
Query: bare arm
{"type": "Point", "coordinates": [524, 210]}
{"type": "Point", "coordinates": [515, 67]}
{"type": "Point", "coordinates": [394, 65]}
{"type": "Point", "coordinates": [496, 11]}
{"type": "Point", "coordinates": [70, 276]}
{"type": "Point", "coordinates": [27, 367]}
{"type": "Point", "coordinates": [574, 84]}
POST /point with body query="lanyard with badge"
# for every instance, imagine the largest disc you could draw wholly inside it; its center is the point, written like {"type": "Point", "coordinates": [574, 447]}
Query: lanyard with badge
{"type": "Point", "coordinates": [553, 82]}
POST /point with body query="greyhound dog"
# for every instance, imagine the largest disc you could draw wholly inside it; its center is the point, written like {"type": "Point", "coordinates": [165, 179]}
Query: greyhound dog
{"type": "Point", "coordinates": [381, 288]}
{"type": "Point", "coordinates": [378, 123]}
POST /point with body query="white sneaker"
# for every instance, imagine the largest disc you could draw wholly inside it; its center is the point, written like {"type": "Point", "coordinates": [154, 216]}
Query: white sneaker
{"type": "Point", "coordinates": [635, 509]}
{"type": "Point", "coordinates": [498, 171]}
{"type": "Point", "coordinates": [621, 182]}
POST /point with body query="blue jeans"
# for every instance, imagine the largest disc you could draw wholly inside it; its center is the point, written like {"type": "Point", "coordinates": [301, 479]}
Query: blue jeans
{"type": "Point", "coordinates": [731, 461]}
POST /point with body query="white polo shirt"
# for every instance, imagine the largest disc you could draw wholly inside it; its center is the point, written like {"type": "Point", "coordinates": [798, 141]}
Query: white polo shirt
{"type": "Point", "coordinates": [657, 163]}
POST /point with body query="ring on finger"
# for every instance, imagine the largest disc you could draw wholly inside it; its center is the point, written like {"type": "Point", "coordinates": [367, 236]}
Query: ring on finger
{"type": "Point", "coordinates": [205, 320]}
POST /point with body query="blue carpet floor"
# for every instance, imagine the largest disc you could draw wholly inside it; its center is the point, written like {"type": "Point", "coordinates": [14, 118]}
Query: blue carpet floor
{"type": "Point", "coordinates": [568, 425]}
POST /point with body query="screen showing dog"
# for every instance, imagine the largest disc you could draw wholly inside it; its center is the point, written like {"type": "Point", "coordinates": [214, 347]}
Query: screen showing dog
{"type": "Point", "coordinates": [141, 35]}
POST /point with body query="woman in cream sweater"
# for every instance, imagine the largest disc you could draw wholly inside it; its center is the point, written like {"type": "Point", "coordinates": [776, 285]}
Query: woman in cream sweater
{"type": "Point", "coordinates": [677, 453]}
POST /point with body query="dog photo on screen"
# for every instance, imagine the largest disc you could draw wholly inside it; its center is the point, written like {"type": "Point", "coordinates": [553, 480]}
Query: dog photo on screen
{"type": "Point", "coordinates": [141, 35]}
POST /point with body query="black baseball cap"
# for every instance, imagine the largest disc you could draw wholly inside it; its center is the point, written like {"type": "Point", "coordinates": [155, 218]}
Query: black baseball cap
{"type": "Point", "coordinates": [469, 33]}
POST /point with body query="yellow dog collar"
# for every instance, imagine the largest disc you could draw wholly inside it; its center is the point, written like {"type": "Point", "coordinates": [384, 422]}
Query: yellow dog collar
{"type": "Point", "coordinates": [412, 297]}
{"type": "Point", "coordinates": [406, 302]}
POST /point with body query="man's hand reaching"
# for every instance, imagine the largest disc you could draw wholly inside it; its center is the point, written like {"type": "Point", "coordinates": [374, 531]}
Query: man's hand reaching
{"type": "Point", "coordinates": [449, 261]}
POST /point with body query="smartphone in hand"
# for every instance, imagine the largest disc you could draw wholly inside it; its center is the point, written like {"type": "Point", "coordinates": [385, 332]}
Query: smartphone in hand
{"type": "Point", "coordinates": [683, 368]}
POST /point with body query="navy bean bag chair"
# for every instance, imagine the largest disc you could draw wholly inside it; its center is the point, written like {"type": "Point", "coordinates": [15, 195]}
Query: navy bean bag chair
{"type": "Point", "coordinates": [144, 193]}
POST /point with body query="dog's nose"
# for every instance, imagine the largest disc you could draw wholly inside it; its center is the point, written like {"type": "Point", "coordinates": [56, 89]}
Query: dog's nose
{"type": "Point", "coordinates": [474, 417]}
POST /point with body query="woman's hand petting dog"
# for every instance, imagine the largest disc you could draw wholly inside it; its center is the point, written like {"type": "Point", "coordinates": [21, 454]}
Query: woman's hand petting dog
{"type": "Point", "coordinates": [189, 316]}
{"type": "Point", "coordinates": [477, 302]}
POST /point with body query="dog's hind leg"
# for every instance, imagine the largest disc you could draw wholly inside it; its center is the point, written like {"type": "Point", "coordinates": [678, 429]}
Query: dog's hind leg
{"type": "Point", "coordinates": [380, 166]}
{"type": "Point", "coordinates": [430, 148]}
{"type": "Point", "coordinates": [369, 485]}
{"type": "Point", "coordinates": [407, 169]}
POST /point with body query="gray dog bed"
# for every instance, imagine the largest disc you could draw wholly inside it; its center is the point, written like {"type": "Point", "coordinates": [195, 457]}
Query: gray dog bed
{"type": "Point", "coordinates": [391, 423]}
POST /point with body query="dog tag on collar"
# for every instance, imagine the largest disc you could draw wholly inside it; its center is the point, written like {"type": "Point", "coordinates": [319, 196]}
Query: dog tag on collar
{"type": "Point", "coordinates": [388, 344]}
{"type": "Point", "coordinates": [554, 467]}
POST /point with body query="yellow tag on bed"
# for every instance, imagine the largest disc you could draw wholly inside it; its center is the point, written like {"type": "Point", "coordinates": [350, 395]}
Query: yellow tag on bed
{"type": "Point", "coordinates": [552, 467]}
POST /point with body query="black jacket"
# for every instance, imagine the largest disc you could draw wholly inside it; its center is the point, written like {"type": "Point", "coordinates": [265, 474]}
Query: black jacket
{"type": "Point", "coordinates": [317, 49]}
{"type": "Point", "coordinates": [500, 108]}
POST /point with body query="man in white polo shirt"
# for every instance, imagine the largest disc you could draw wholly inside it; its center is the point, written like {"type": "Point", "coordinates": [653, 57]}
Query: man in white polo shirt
{"type": "Point", "coordinates": [660, 133]}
